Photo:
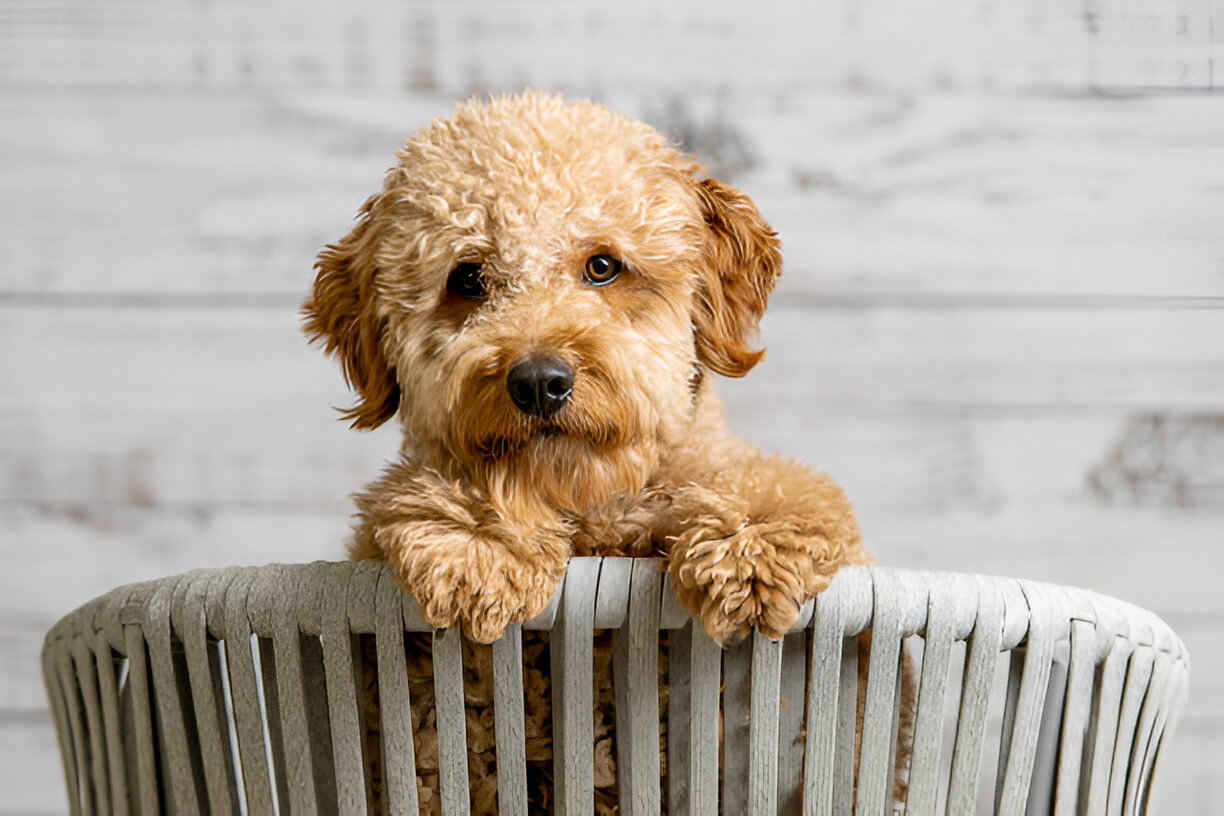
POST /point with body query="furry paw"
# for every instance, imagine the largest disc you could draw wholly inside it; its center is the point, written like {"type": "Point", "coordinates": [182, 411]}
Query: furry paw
{"type": "Point", "coordinates": [758, 576]}
{"type": "Point", "coordinates": [462, 579]}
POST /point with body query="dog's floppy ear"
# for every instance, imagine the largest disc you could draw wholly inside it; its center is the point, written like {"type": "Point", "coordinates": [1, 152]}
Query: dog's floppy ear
{"type": "Point", "coordinates": [740, 265]}
{"type": "Point", "coordinates": [341, 311]}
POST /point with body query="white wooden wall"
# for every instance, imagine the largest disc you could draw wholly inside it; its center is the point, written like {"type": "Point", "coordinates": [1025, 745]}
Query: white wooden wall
{"type": "Point", "coordinates": [1001, 327]}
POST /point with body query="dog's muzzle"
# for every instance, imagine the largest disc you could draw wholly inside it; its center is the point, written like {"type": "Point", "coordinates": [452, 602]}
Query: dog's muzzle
{"type": "Point", "coordinates": [539, 385]}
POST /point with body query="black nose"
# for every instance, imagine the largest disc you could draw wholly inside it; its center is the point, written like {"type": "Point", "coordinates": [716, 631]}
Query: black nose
{"type": "Point", "coordinates": [540, 385]}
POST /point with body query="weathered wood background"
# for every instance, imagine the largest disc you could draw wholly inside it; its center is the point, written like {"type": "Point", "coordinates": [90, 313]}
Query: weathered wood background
{"type": "Point", "coordinates": [1001, 327]}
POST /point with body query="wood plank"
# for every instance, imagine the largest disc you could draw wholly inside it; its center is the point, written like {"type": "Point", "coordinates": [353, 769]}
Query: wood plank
{"type": "Point", "coordinates": [982, 403]}
{"type": "Point", "coordinates": [521, 43]}
{"type": "Point", "coordinates": [926, 197]}
{"type": "Point", "coordinates": [1030, 359]}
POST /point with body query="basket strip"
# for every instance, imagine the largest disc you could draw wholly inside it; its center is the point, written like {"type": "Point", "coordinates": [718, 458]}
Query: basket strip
{"type": "Point", "coordinates": [679, 716]}
{"type": "Point", "coordinates": [824, 699]}
{"type": "Point", "coordinates": [240, 661]}
{"type": "Point", "coordinates": [763, 725]}
{"type": "Point", "coordinates": [1022, 728]}
{"type": "Point", "coordinates": [284, 676]}
{"type": "Point", "coordinates": [694, 669]}
{"type": "Point", "coordinates": [983, 647]}
{"type": "Point", "coordinates": [452, 722]}
{"type": "Point", "coordinates": [1102, 733]}
{"type": "Point", "coordinates": [880, 705]}
{"type": "Point", "coordinates": [1077, 708]}
{"type": "Point", "coordinates": [509, 723]}
{"type": "Point", "coordinates": [1045, 756]}
{"type": "Point", "coordinates": [635, 656]}
{"type": "Point", "coordinates": [108, 690]}
{"type": "Point", "coordinates": [333, 602]}
{"type": "Point", "coordinates": [87, 685]}
{"type": "Point", "coordinates": [174, 753]}
{"type": "Point", "coordinates": [1167, 704]}
{"type": "Point", "coordinates": [80, 782]}
{"type": "Point", "coordinates": [790, 724]}
{"type": "Point", "coordinates": [146, 778]}
{"type": "Point", "coordinates": [944, 602]}
{"type": "Point", "coordinates": [1152, 702]}
{"type": "Point", "coordinates": [188, 616]}
{"type": "Point", "coordinates": [1138, 676]}
{"type": "Point", "coordinates": [394, 700]}
{"type": "Point", "coordinates": [571, 657]}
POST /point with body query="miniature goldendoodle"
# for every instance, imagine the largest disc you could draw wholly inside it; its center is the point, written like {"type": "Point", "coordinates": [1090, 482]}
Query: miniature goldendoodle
{"type": "Point", "coordinates": [539, 292]}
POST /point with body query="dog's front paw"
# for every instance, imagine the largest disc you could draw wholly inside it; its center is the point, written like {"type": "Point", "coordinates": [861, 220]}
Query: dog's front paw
{"type": "Point", "coordinates": [464, 579]}
{"type": "Point", "coordinates": [757, 576]}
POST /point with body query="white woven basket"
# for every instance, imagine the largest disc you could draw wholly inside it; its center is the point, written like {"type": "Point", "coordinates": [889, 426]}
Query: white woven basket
{"type": "Point", "coordinates": [209, 692]}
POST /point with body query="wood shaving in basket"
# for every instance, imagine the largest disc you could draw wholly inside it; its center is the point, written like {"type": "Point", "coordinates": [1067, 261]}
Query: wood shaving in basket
{"type": "Point", "coordinates": [481, 741]}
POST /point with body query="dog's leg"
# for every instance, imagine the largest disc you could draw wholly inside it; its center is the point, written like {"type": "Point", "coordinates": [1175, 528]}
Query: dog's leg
{"type": "Point", "coordinates": [462, 560]}
{"type": "Point", "coordinates": [750, 543]}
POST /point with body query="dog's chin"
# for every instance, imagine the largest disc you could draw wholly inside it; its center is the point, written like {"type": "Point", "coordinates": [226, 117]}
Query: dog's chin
{"type": "Point", "coordinates": [558, 467]}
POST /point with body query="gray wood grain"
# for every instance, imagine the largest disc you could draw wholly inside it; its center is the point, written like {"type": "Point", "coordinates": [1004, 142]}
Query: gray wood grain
{"type": "Point", "coordinates": [1049, 194]}
{"type": "Point", "coordinates": [441, 48]}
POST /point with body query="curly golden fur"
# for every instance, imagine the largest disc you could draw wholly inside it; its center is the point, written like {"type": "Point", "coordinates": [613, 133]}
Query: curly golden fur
{"type": "Point", "coordinates": [487, 500]}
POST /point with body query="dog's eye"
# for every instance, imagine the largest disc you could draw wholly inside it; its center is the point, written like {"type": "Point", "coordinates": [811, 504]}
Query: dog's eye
{"type": "Point", "coordinates": [466, 281]}
{"type": "Point", "coordinates": [601, 269]}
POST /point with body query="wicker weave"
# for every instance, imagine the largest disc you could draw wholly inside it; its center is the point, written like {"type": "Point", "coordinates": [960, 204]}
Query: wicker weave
{"type": "Point", "coordinates": [153, 716]}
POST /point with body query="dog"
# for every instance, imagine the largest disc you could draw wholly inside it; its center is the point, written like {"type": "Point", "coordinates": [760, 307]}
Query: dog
{"type": "Point", "coordinates": [539, 294]}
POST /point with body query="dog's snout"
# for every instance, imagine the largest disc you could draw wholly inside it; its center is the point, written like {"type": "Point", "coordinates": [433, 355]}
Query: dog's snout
{"type": "Point", "coordinates": [540, 385]}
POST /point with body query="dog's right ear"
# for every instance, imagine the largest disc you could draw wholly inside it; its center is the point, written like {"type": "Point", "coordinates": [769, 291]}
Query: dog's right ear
{"type": "Point", "coordinates": [341, 311]}
{"type": "Point", "coordinates": [740, 265]}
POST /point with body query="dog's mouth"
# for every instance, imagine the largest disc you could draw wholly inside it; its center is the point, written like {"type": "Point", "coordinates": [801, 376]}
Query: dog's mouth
{"type": "Point", "coordinates": [502, 446]}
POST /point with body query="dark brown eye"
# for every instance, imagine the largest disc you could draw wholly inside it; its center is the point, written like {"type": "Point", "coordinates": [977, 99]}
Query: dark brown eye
{"type": "Point", "coordinates": [601, 269]}
{"type": "Point", "coordinates": [466, 281]}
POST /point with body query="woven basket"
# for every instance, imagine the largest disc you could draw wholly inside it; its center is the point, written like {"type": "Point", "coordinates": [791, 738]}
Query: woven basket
{"type": "Point", "coordinates": [235, 690]}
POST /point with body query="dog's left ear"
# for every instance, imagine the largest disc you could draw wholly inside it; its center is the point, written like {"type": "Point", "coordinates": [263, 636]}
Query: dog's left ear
{"type": "Point", "coordinates": [740, 264]}
{"type": "Point", "coordinates": [341, 311]}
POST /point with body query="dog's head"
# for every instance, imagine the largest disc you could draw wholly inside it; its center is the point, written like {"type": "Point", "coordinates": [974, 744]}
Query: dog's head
{"type": "Point", "coordinates": [538, 291]}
